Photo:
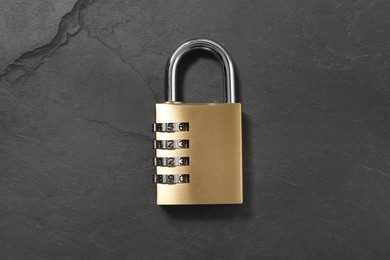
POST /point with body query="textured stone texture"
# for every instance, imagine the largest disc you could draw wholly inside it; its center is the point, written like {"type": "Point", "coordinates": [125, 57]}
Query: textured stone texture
{"type": "Point", "coordinates": [76, 109]}
{"type": "Point", "coordinates": [26, 25]}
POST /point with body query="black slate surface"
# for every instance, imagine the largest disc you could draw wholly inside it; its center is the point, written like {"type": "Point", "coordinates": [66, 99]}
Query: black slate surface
{"type": "Point", "coordinates": [76, 108]}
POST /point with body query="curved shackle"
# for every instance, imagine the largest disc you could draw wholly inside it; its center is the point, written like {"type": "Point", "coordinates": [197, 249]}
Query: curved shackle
{"type": "Point", "coordinates": [218, 51]}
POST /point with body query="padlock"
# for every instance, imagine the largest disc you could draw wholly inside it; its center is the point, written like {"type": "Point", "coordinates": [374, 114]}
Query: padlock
{"type": "Point", "coordinates": [198, 145]}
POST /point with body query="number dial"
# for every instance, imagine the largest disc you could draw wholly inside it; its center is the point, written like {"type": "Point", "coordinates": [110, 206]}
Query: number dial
{"type": "Point", "coordinates": [171, 127]}
{"type": "Point", "coordinates": [171, 161]}
{"type": "Point", "coordinates": [171, 144]}
{"type": "Point", "coordinates": [171, 178]}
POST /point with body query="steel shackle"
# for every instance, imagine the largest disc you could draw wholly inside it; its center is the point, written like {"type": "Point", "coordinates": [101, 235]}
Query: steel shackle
{"type": "Point", "coordinates": [218, 51]}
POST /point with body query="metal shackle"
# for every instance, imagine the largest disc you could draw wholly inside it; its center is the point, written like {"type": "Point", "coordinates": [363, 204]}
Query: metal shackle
{"type": "Point", "coordinates": [218, 51]}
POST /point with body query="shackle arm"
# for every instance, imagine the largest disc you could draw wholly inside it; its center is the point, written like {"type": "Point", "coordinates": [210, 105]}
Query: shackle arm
{"type": "Point", "coordinates": [218, 51]}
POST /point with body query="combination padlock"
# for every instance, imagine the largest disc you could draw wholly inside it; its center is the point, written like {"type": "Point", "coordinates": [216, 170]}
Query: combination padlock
{"type": "Point", "coordinates": [198, 145]}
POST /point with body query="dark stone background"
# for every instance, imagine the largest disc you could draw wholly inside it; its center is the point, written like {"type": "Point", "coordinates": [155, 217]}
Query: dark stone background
{"type": "Point", "coordinates": [79, 80]}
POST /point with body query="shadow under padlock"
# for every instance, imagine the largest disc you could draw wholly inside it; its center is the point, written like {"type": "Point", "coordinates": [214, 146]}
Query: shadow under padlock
{"type": "Point", "coordinates": [199, 145]}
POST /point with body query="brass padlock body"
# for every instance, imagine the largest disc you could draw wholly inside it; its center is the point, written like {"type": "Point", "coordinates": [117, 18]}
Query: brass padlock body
{"type": "Point", "coordinates": [214, 152]}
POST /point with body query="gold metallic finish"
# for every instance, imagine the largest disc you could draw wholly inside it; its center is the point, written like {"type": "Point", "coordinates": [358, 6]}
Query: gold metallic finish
{"type": "Point", "coordinates": [209, 169]}
{"type": "Point", "coordinates": [215, 153]}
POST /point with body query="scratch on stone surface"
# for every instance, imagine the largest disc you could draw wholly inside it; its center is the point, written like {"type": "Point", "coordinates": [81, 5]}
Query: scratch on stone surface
{"type": "Point", "coordinates": [290, 183]}
{"type": "Point", "coordinates": [357, 205]}
{"type": "Point", "coordinates": [123, 60]}
{"type": "Point", "coordinates": [370, 169]}
{"type": "Point", "coordinates": [118, 130]}
{"type": "Point", "coordinates": [30, 61]}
